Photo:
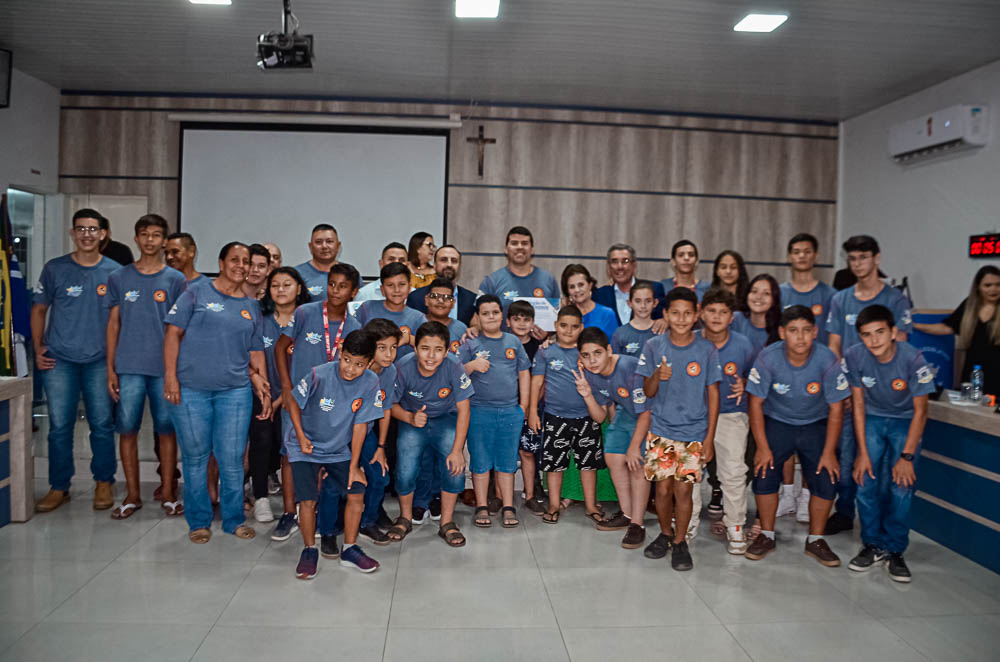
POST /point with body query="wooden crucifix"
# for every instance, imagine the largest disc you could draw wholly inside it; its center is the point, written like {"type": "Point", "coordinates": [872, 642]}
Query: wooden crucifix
{"type": "Point", "coordinates": [481, 143]}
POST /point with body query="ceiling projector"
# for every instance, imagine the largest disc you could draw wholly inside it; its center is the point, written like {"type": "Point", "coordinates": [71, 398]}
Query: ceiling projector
{"type": "Point", "coordinates": [286, 49]}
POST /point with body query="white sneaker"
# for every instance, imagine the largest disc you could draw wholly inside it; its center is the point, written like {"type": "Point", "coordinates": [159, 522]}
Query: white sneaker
{"type": "Point", "coordinates": [692, 529]}
{"type": "Point", "coordinates": [786, 502]}
{"type": "Point", "coordinates": [262, 511]}
{"type": "Point", "coordinates": [737, 541]}
{"type": "Point", "coordinates": [802, 511]}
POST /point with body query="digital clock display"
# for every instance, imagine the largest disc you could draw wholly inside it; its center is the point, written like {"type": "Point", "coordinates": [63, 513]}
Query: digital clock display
{"type": "Point", "coordinates": [984, 245]}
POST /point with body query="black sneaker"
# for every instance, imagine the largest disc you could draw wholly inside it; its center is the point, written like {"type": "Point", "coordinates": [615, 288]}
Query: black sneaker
{"type": "Point", "coordinates": [286, 526]}
{"type": "Point", "coordinates": [898, 572]}
{"type": "Point", "coordinates": [614, 523]}
{"type": "Point", "coordinates": [635, 535]}
{"type": "Point", "coordinates": [715, 505]}
{"type": "Point", "coordinates": [867, 558]}
{"type": "Point", "coordinates": [658, 548]}
{"type": "Point", "coordinates": [419, 515]}
{"type": "Point", "coordinates": [680, 557]}
{"type": "Point", "coordinates": [374, 534]}
{"type": "Point", "coordinates": [435, 508]}
{"type": "Point", "coordinates": [383, 521]}
{"type": "Point", "coordinates": [328, 547]}
{"type": "Point", "coordinates": [536, 505]}
{"type": "Point", "coordinates": [838, 523]}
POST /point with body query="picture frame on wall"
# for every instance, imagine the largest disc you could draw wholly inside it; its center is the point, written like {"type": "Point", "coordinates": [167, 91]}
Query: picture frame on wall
{"type": "Point", "coordinates": [6, 68]}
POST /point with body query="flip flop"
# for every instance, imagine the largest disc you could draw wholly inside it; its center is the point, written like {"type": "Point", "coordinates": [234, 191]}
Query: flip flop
{"type": "Point", "coordinates": [125, 510]}
{"type": "Point", "coordinates": [172, 508]}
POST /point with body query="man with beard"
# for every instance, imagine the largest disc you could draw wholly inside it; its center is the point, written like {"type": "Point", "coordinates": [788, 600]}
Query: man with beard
{"type": "Point", "coordinates": [447, 265]}
{"type": "Point", "coordinates": [622, 264]}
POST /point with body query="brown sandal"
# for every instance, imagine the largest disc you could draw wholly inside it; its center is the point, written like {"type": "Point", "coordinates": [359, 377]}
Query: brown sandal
{"type": "Point", "coordinates": [482, 519]}
{"type": "Point", "coordinates": [399, 529]}
{"type": "Point", "coordinates": [596, 517]}
{"type": "Point", "coordinates": [125, 510]}
{"type": "Point", "coordinates": [200, 536]}
{"type": "Point", "coordinates": [245, 532]}
{"type": "Point", "coordinates": [451, 535]}
{"type": "Point", "coordinates": [509, 520]}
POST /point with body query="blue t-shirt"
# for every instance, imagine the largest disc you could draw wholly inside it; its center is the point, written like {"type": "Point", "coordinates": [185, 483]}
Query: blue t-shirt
{"type": "Point", "coordinates": [220, 331]}
{"type": "Point", "coordinates": [143, 301]}
{"type": "Point", "coordinates": [817, 300]}
{"type": "Point", "coordinates": [387, 386]}
{"type": "Point", "coordinates": [498, 386]}
{"type": "Point", "coordinates": [556, 364]}
{"type": "Point", "coordinates": [456, 329]}
{"type": "Point", "coordinates": [507, 286]}
{"type": "Point", "coordinates": [845, 306]}
{"type": "Point", "coordinates": [440, 392]}
{"type": "Point", "coordinates": [331, 407]}
{"type": "Point", "coordinates": [406, 319]}
{"type": "Point", "coordinates": [736, 358]}
{"type": "Point", "coordinates": [680, 408]}
{"type": "Point", "coordinates": [603, 318]}
{"type": "Point", "coordinates": [309, 337]}
{"type": "Point", "coordinates": [889, 388]}
{"type": "Point", "coordinates": [270, 332]}
{"type": "Point", "coordinates": [315, 280]}
{"type": "Point", "coordinates": [629, 341]}
{"type": "Point", "coordinates": [623, 386]}
{"type": "Point", "coordinates": [700, 287]}
{"type": "Point", "coordinates": [756, 335]}
{"type": "Point", "coordinates": [798, 395]}
{"type": "Point", "coordinates": [78, 307]}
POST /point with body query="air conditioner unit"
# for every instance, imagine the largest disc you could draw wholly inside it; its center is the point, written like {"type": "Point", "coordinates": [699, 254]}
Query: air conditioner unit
{"type": "Point", "coordinates": [943, 132]}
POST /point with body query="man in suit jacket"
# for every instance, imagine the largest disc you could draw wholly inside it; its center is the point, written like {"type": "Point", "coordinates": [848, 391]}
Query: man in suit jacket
{"type": "Point", "coordinates": [447, 264]}
{"type": "Point", "coordinates": [621, 266]}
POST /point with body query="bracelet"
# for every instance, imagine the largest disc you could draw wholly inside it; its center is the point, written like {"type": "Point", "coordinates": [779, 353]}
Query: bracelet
{"type": "Point", "coordinates": [381, 445]}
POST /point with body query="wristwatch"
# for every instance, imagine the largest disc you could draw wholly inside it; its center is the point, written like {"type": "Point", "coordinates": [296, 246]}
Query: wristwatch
{"type": "Point", "coordinates": [907, 456]}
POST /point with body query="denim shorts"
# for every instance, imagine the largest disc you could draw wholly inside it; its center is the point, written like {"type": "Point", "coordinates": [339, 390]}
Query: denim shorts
{"type": "Point", "coordinates": [437, 435]}
{"type": "Point", "coordinates": [618, 435]}
{"type": "Point", "coordinates": [494, 434]}
{"type": "Point", "coordinates": [132, 393]}
{"type": "Point", "coordinates": [305, 478]}
{"type": "Point", "coordinates": [807, 442]}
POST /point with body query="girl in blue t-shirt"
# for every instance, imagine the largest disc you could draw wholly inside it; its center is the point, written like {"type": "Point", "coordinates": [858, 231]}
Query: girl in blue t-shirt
{"type": "Point", "coordinates": [213, 352]}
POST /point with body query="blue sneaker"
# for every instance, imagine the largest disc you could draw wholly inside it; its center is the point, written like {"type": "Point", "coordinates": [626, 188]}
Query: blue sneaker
{"type": "Point", "coordinates": [354, 557]}
{"type": "Point", "coordinates": [285, 527]}
{"type": "Point", "coordinates": [308, 562]}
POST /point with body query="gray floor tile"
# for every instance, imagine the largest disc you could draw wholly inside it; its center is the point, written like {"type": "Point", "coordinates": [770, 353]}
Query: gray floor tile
{"type": "Point", "coordinates": [87, 536]}
{"type": "Point", "coordinates": [859, 639]}
{"type": "Point", "coordinates": [684, 642]}
{"type": "Point", "coordinates": [462, 645]}
{"type": "Point", "coordinates": [240, 643]}
{"type": "Point", "coordinates": [11, 632]}
{"type": "Point", "coordinates": [107, 642]}
{"type": "Point", "coordinates": [168, 541]}
{"type": "Point", "coordinates": [969, 638]}
{"type": "Point", "coordinates": [29, 590]}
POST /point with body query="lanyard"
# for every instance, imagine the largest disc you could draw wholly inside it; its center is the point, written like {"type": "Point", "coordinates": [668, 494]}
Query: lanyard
{"type": "Point", "coordinates": [331, 352]}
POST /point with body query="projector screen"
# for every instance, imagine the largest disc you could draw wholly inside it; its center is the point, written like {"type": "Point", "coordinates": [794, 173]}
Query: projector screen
{"type": "Point", "coordinates": [269, 183]}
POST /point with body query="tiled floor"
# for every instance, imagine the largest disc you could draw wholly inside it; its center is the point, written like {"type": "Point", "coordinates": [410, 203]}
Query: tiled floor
{"type": "Point", "coordinates": [76, 585]}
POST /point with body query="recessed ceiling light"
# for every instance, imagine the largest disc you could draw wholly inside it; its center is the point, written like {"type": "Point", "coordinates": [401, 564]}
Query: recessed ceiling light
{"type": "Point", "coordinates": [211, 2]}
{"type": "Point", "coordinates": [760, 22]}
{"type": "Point", "coordinates": [477, 8]}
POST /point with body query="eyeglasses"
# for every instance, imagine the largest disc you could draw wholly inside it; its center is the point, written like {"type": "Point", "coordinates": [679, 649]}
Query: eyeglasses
{"type": "Point", "coordinates": [621, 262]}
{"type": "Point", "coordinates": [84, 229]}
{"type": "Point", "coordinates": [441, 297]}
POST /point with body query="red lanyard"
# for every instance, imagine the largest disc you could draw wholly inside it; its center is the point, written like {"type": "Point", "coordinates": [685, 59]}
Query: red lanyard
{"type": "Point", "coordinates": [331, 352]}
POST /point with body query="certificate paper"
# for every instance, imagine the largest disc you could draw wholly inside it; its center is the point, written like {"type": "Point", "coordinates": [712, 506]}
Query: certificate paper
{"type": "Point", "coordinates": [545, 311]}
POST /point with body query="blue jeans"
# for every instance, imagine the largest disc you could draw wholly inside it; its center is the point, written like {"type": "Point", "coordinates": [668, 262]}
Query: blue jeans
{"type": "Point", "coordinates": [884, 506]}
{"type": "Point", "coordinates": [847, 451]}
{"type": "Point", "coordinates": [64, 384]}
{"type": "Point", "coordinates": [213, 422]}
{"type": "Point", "coordinates": [428, 480]}
{"type": "Point", "coordinates": [330, 518]}
{"type": "Point", "coordinates": [494, 435]}
{"type": "Point", "coordinates": [438, 436]}
{"type": "Point", "coordinates": [133, 391]}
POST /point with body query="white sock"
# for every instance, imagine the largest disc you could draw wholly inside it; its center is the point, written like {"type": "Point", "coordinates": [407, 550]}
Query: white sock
{"type": "Point", "coordinates": [788, 490]}
{"type": "Point", "coordinates": [812, 539]}
{"type": "Point", "coordinates": [769, 534]}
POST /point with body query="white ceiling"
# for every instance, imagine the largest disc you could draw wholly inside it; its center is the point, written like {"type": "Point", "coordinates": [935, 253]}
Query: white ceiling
{"type": "Point", "coordinates": [832, 59]}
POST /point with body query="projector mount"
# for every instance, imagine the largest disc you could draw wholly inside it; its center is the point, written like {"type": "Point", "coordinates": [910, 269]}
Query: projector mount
{"type": "Point", "coordinates": [286, 49]}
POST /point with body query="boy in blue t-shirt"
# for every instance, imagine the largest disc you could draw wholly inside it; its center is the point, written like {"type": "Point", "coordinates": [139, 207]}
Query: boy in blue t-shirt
{"type": "Point", "coordinates": [804, 288]}
{"type": "Point", "coordinates": [140, 295]}
{"type": "Point", "coordinates": [685, 412]}
{"type": "Point", "coordinates": [797, 390]}
{"type": "Point", "coordinates": [432, 407]}
{"type": "Point", "coordinates": [610, 386]}
{"type": "Point", "coordinates": [395, 278]}
{"type": "Point", "coordinates": [330, 410]}
{"type": "Point", "coordinates": [630, 338]}
{"type": "Point", "coordinates": [863, 260]}
{"type": "Point", "coordinates": [520, 321]}
{"type": "Point", "coordinates": [890, 382]}
{"type": "Point", "coordinates": [373, 455]}
{"type": "Point", "coordinates": [499, 368]}
{"type": "Point", "coordinates": [568, 427]}
{"type": "Point", "coordinates": [440, 299]}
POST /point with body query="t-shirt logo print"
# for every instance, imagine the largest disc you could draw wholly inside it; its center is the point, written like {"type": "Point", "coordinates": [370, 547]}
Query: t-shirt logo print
{"type": "Point", "coordinates": [245, 314]}
{"type": "Point", "coordinates": [312, 338]}
{"type": "Point", "coordinates": [898, 385]}
{"type": "Point", "coordinates": [132, 296]}
{"type": "Point", "coordinates": [454, 346]}
{"type": "Point", "coordinates": [510, 354]}
{"type": "Point", "coordinates": [268, 341]}
{"type": "Point", "coordinates": [693, 369]}
{"type": "Point", "coordinates": [812, 388]}
{"type": "Point", "coordinates": [556, 364]}
{"type": "Point", "coordinates": [379, 398]}
{"type": "Point", "coordinates": [102, 289]}
{"type": "Point", "coordinates": [315, 289]}
{"type": "Point", "coordinates": [464, 382]}
{"type": "Point", "coordinates": [215, 307]}
{"type": "Point", "coordinates": [326, 404]}
{"type": "Point", "coordinates": [622, 391]}
{"type": "Point", "coordinates": [730, 368]}
{"type": "Point", "coordinates": [159, 296]}
{"type": "Point", "coordinates": [356, 405]}
{"type": "Point", "coordinates": [817, 309]}
{"type": "Point", "coordinates": [74, 290]}
{"type": "Point", "coordinates": [444, 392]}
{"type": "Point", "coordinates": [868, 381]}
{"type": "Point", "coordinates": [539, 292]}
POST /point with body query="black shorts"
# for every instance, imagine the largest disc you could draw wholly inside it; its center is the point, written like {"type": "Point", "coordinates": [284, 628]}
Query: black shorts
{"type": "Point", "coordinates": [305, 478]}
{"type": "Point", "coordinates": [582, 436]}
{"type": "Point", "coordinates": [806, 441]}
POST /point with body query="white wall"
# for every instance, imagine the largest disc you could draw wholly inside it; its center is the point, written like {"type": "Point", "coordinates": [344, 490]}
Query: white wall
{"type": "Point", "coordinates": [29, 136]}
{"type": "Point", "coordinates": [922, 215]}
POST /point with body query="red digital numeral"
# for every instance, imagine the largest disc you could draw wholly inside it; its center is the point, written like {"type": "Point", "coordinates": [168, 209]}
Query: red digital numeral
{"type": "Point", "coordinates": [976, 248]}
{"type": "Point", "coordinates": [989, 248]}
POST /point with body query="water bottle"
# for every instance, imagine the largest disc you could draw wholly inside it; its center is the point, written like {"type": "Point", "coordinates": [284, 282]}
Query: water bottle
{"type": "Point", "coordinates": [977, 383]}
